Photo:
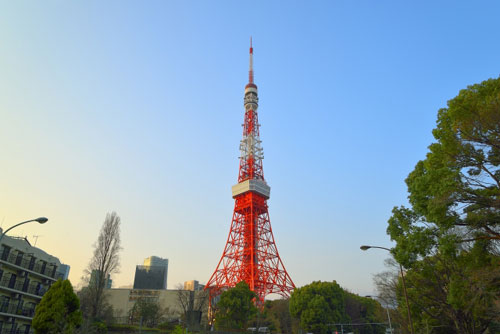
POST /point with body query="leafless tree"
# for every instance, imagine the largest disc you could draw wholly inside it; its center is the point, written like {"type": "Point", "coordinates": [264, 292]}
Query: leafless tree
{"type": "Point", "coordinates": [104, 262]}
{"type": "Point", "coordinates": [386, 283]}
{"type": "Point", "coordinates": [148, 311]}
{"type": "Point", "coordinates": [190, 301]}
{"type": "Point", "coordinates": [183, 298]}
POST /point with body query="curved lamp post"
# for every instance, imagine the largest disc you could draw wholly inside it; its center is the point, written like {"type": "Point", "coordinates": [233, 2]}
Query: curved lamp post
{"type": "Point", "coordinates": [40, 220]}
{"type": "Point", "coordinates": [364, 248]}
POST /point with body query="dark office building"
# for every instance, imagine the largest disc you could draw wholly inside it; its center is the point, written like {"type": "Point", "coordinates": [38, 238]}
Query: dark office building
{"type": "Point", "coordinates": [150, 277]}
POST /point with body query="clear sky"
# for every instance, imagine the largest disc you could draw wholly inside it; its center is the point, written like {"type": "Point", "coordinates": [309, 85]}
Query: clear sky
{"type": "Point", "coordinates": [136, 107]}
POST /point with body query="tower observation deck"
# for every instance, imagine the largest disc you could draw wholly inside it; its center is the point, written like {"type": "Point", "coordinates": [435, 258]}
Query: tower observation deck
{"type": "Point", "coordinates": [250, 253]}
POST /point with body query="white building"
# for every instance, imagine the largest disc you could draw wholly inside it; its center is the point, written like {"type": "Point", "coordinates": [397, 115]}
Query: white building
{"type": "Point", "coordinates": [26, 273]}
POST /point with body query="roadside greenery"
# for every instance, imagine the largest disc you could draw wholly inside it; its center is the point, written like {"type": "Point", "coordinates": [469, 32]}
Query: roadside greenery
{"type": "Point", "coordinates": [235, 308]}
{"type": "Point", "coordinates": [147, 311]}
{"type": "Point", "coordinates": [449, 238]}
{"type": "Point", "coordinates": [322, 306]}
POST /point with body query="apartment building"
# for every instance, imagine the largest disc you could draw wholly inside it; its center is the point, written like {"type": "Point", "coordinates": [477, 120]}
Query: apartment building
{"type": "Point", "coordinates": [26, 273]}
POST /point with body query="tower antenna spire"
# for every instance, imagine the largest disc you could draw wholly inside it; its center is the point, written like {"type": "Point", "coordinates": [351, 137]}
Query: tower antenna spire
{"type": "Point", "coordinates": [250, 71]}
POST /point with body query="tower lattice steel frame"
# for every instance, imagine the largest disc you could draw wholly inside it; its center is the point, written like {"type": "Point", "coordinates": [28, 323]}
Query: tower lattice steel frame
{"type": "Point", "coordinates": [250, 253]}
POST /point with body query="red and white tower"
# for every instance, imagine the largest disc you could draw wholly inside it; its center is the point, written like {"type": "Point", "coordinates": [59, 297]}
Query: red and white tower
{"type": "Point", "coordinates": [250, 254]}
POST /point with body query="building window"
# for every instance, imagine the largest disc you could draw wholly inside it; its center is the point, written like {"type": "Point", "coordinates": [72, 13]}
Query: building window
{"type": "Point", "coordinates": [38, 289]}
{"type": "Point", "coordinates": [32, 262]}
{"type": "Point", "coordinates": [19, 258]}
{"type": "Point", "coordinates": [5, 252]}
{"type": "Point", "coordinates": [31, 309]}
{"type": "Point", "coordinates": [44, 265]}
{"type": "Point", "coordinates": [53, 273]}
{"type": "Point", "coordinates": [20, 307]}
{"type": "Point", "coordinates": [12, 281]}
{"type": "Point", "coordinates": [26, 284]}
{"type": "Point", "coordinates": [4, 304]}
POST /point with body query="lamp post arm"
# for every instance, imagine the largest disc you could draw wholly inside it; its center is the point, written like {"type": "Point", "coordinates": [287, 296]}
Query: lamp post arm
{"type": "Point", "coordinates": [387, 249]}
{"type": "Point", "coordinates": [10, 228]}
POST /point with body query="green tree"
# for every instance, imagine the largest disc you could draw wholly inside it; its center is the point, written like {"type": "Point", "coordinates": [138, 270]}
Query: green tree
{"type": "Point", "coordinates": [148, 310]}
{"type": "Point", "coordinates": [277, 312]}
{"type": "Point", "coordinates": [455, 191]}
{"type": "Point", "coordinates": [318, 304]}
{"type": "Point", "coordinates": [457, 295]}
{"type": "Point", "coordinates": [58, 311]}
{"type": "Point", "coordinates": [235, 307]}
{"type": "Point", "coordinates": [363, 310]}
{"type": "Point", "coordinates": [448, 240]}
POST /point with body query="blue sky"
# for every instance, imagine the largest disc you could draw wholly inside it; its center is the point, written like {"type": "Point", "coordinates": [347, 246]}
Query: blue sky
{"type": "Point", "coordinates": [136, 106]}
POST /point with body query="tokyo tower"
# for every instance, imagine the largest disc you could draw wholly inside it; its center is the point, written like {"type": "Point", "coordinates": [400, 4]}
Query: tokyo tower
{"type": "Point", "coordinates": [250, 253]}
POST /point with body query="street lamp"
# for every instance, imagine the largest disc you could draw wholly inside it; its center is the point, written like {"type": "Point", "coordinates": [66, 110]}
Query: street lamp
{"type": "Point", "coordinates": [364, 248]}
{"type": "Point", "coordinates": [40, 220]}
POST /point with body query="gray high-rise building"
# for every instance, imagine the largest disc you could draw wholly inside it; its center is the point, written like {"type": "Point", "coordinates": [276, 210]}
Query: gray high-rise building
{"type": "Point", "coordinates": [95, 276]}
{"type": "Point", "coordinates": [63, 271]}
{"type": "Point", "coordinates": [152, 275]}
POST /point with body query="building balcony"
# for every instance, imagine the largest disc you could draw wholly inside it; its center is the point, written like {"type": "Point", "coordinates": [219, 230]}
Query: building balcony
{"type": "Point", "coordinates": [34, 289]}
{"type": "Point", "coordinates": [26, 264]}
{"type": "Point", "coordinates": [12, 309]}
{"type": "Point", "coordinates": [15, 331]}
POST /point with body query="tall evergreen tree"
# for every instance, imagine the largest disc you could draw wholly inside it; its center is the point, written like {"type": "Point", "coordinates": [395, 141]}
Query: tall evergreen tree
{"type": "Point", "coordinates": [58, 311]}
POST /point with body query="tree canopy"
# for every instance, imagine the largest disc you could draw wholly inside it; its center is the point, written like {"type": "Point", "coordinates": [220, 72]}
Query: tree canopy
{"type": "Point", "coordinates": [318, 304]}
{"type": "Point", "coordinates": [455, 192]}
{"type": "Point", "coordinates": [147, 311]}
{"type": "Point", "coordinates": [277, 317]}
{"type": "Point", "coordinates": [322, 306]}
{"type": "Point", "coordinates": [58, 311]}
{"type": "Point", "coordinates": [458, 294]}
{"type": "Point", "coordinates": [236, 307]}
{"type": "Point", "coordinates": [448, 239]}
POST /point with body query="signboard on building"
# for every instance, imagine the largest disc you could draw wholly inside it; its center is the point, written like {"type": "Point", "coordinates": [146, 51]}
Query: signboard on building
{"type": "Point", "coordinates": [139, 294]}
